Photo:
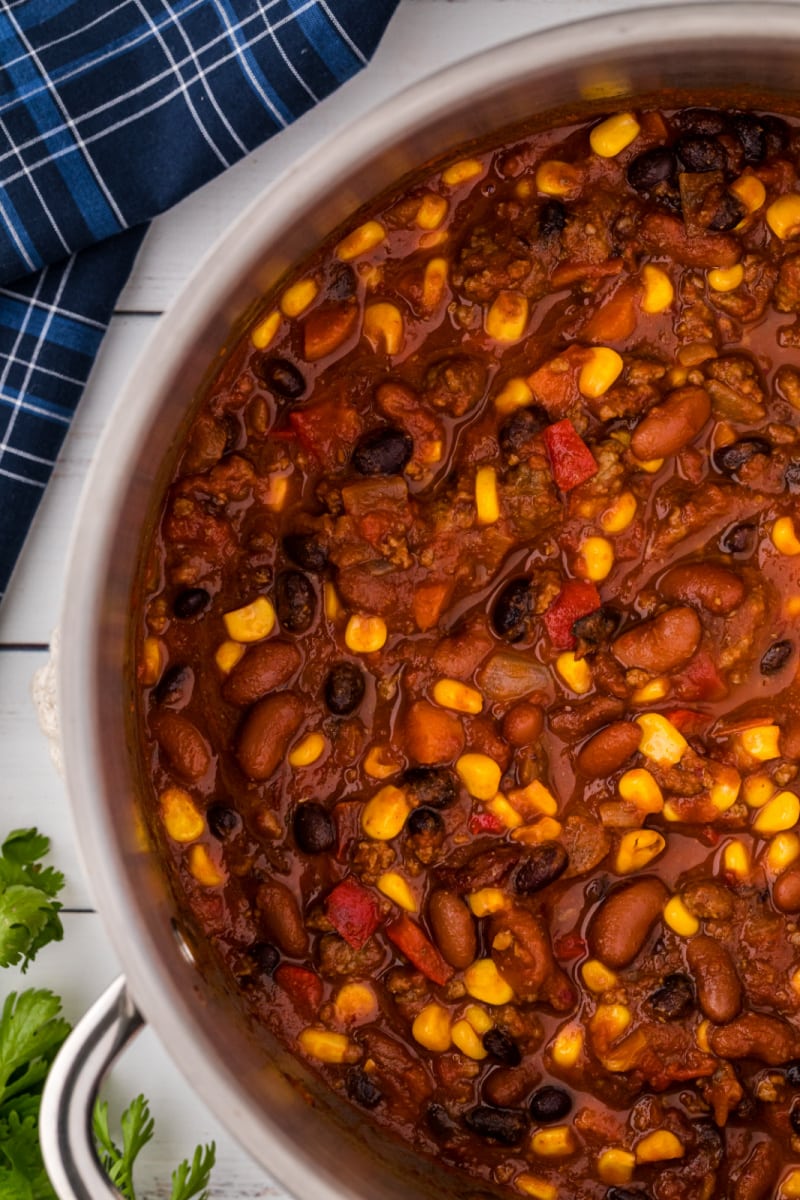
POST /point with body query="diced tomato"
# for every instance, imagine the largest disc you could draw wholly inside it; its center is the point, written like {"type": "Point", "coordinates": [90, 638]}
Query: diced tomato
{"type": "Point", "coordinates": [688, 722]}
{"type": "Point", "coordinates": [577, 598]}
{"type": "Point", "coordinates": [485, 822]}
{"type": "Point", "coordinates": [353, 911]}
{"type": "Point", "coordinates": [571, 460]}
{"type": "Point", "coordinates": [420, 952]}
{"type": "Point", "coordinates": [700, 679]}
{"type": "Point", "coordinates": [327, 430]}
{"type": "Point", "coordinates": [304, 987]}
{"type": "Point", "coordinates": [571, 945]}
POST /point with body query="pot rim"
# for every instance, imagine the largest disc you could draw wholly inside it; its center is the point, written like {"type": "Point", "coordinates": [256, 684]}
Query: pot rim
{"type": "Point", "coordinates": [208, 291]}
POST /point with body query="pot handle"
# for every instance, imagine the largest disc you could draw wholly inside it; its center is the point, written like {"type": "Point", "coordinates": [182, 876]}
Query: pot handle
{"type": "Point", "coordinates": [65, 1124]}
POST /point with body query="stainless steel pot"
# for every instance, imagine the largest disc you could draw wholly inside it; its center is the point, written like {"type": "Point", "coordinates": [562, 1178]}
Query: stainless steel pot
{"type": "Point", "coordinates": [754, 48]}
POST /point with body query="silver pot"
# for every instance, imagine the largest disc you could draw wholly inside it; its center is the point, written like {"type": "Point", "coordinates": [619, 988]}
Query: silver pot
{"type": "Point", "coordinates": [320, 1150]}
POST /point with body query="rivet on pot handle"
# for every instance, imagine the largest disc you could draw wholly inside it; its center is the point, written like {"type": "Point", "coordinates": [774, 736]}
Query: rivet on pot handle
{"type": "Point", "coordinates": [65, 1124]}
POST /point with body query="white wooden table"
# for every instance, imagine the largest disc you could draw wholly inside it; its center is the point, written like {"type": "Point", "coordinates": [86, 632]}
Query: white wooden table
{"type": "Point", "coordinates": [423, 36]}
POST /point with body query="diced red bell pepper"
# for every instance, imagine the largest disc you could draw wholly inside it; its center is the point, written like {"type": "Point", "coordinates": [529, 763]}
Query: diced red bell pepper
{"type": "Point", "coordinates": [700, 679]}
{"type": "Point", "coordinates": [485, 822]}
{"type": "Point", "coordinates": [577, 598]}
{"type": "Point", "coordinates": [420, 952]}
{"type": "Point", "coordinates": [353, 911]}
{"type": "Point", "coordinates": [571, 945]}
{"type": "Point", "coordinates": [571, 460]}
{"type": "Point", "coordinates": [327, 429]}
{"type": "Point", "coordinates": [688, 722]}
{"type": "Point", "coordinates": [303, 987]}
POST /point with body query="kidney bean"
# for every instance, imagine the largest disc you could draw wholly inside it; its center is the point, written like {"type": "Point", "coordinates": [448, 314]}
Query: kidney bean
{"type": "Point", "coordinates": [190, 603]}
{"type": "Point", "coordinates": [709, 585]}
{"type": "Point", "coordinates": [313, 828]}
{"type": "Point", "coordinates": [511, 610]}
{"type": "Point", "coordinates": [453, 928]}
{"type": "Point", "coordinates": [771, 1040]}
{"type": "Point", "coordinates": [505, 1125]}
{"type": "Point", "coordinates": [508, 1086]}
{"type": "Point", "coordinates": [759, 1173]}
{"type": "Point", "coordinates": [573, 721]}
{"type": "Point", "coordinates": [775, 658]}
{"type": "Point", "coordinates": [719, 992]}
{"type": "Point", "coordinates": [662, 643]}
{"type": "Point", "coordinates": [281, 919]}
{"type": "Point", "coordinates": [264, 736]}
{"type": "Point", "coordinates": [521, 951]}
{"type": "Point", "coordinates": [431, 734]}
{"type": "Point", "coordinates": [549, 1104]}
{"type": "Point", "coordinates": [295, 601]}
{"type": "Point", "coordinates": [383, 452]}
{"type": "Point", "coordinates": [281, 376]}
{"type": "Point", "coordinates": [183, 744]}
{"type": "Point", "coordinates": [344, 688]}
{"type": "Point", "coordinates": [619, 928]}
{"type": "Point", "coordinates": [265, 667]}
{"type": "Point", "coordinates": [327, 327]}
{"type": "Point", "coordinates": [541, 865]}
{"type": "Point", "coordinates": [502, 1047]}
{"type": "Point", "coordinates": [608, 749]}
{"type": "Point", "coordinates": [523, 724]}
{"type": "Point", "coordinates": [708, 900]}
{"type": "Point", "coordinates": [664, 234]}
{"type": "Point", "coordinates": [674, 998]}
{"type": "Point", "coordinates": [672, 424]}
{"type": "Point", "coordinates": [306, 550]}
{"type": "Point", "coordinates": [786, 891]}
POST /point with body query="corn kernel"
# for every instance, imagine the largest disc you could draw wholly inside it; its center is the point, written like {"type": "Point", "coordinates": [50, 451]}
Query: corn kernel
{"type": "Point", "coordinates": [725, 279]}
{"type": "Point", "coordinates": [611, 1019]}
{"type": "Point", "coordinates": [297, 298]}
{"type": "Point", "coordinates": [331, 602]}
{"type": "Point", "coordinates": [462, 171]}
{"type": "Point", "coordinates": [794, 980]}
{"type": "Point", "coordinates": [392, 884]}
{"type": "Point", "coordinates": [596, 558]}
{"type": "Point", "coordinates": [515, 393]}
{"type": "Point", "coordinates": [326, 1046]}
{"type": "Point", "coordinates": [619, 515]}
{"type": "Point", "coordinates": [792, 606]}
{"type": "Point", "coordinates": [701, 1036]}
{"type": "Point", "coordinates": [736, 859]}
{"type": "Point", "coordinates": [361, 240]}
{"type": "Point", "coordinates": [679, 919]}
{"type": "Point", "coordinates": [487, 501]}
{"type": "Point", "coordinates": [203, 867]}
{"type": "Point", "coordinates": [434, 282]}
{"type": "Point", "coordinates": [790, 1186]}
{"type": "Point", "coordinates": [556, 178]}
{"type": "Point", "coordinates": [615, 1165]}
{"type": "Point", "coordinates": [479, 774]}
{"type": "Point", "coordinates": [264, 333]}
{"type": "Point", "coordinates": [180, 815]}
{"type": "Point", "coordinates": [251, 623]}
{"type": "Point", "coordinates": [750, 190]}
{"type": "Point", "coordinates": [726, 786]}
{"type": "Point", "coordinates": [505, 812]}
{"type": "Point", "coordinates": [783, 850]}
{"type": "Point", "coordinates": [378, 763]}
{"type": "Point", "coordinates": [152, 661]}
{"type": "Point", "coordinates": [757, 789]}
{"type": "Point", "coordinates": [479, 1019]}
{"type": "Point", "coordinates": [576, 672]}
{"type": "Point", "coordinates": [467, 1041]}
{"type": "Point", "coordinates": [307, 751]}
{"type": "Point", "coordinates": [657, 1146]}
{"type": "Point", "coordinates": [451, 693]}
{"type": "Point", "coordinates": [534, 798]}
{"type": "Point", "coordinates": [783, 216]}
{"type": "Point", "coordinates": [487, 900]}
{"type": "Point", "coordinates": [277, 491]}
{"type": "Point", "coordinates": [556, 1142]}
{"type": "Point", "coordinates": [638, 787]}
{"type": "Point", "coordinates": [637, 848]}
{"type": "Point", "coordinates": [507, 317]}
{"type": "Point", "coordinates": [545, 830]}
{"type": "Point", "coordinates": [784, 538]}
{"type": "Point", "coordinates": [779, 814]}
{"type": "Point", "coordinates": [227, 655]}
{"type": "Point", "coordinates": [654, 689]}
{"type": "Point", "coordinates": [365, 634]}
{"type": "Point", "coordinates": [355, 1002]}
{"type": "Point", "coordinates": [432, 211]}
{"type": "Point", "coordinates": [661, 742]}
{"type": "Point", "coordinates": [615, 133]}
{"type": "Point", "coordinates": [597, 977]}
{"type": "Point", "coordinates": [650, 465]}
{"type": "Point", "coordinates": [658, 290]}
{"type": "Point", "coordinates": [567, 1046]}
{"type": "Point", "coordinates": [761, 742]}
{"type": "Point", "coordinates": [601, 370]}
{"type": "Point", "coordinates": [385, 813]}
{"type": "Point", "coordinates": [383, 327]}
{"type": "Point", "coordinates": [538, 1189]}
{"type": "Point", "coordinates": [484, 982]}
{"type": "Point", "coordinates": [431, 1028]}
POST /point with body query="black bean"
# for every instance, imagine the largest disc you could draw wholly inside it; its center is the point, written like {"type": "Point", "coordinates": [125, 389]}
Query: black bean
{"type": "Point", "coordinates": [431, 786]}
{"type": "Point", "coordinates": [222, 821]}
{"type": "Point", "coordinates": [776, 657]}
{"type": "Point", "coordinates": [748, 129]}
{"type": "Point", "coordinates": [651, 167]}
{"type": "Point", "coordinates": [313, 828]}
{"type": "Point", "coordinates": [306, 550]}
{"type": "Point", "coordinates": [595, 630]}
{"type": "Point", "coordinates": [383, 451]}
{"type": "Point", "coordinates": [424, 821]}
{"type": "Point", "coordinates": [548, 1104]}
{"type": "Point", "coordinates": [264, 956]}
{"type": "Point", "coordinates": [295, 601]}
{"type": "Point", "coordinates": [791, 476]}
{"type": "Point", "coordinates": [792, 1073]}
{"type": "Point", "coordinates": [731, 458]}
{"type": "Point", "coordinates": [190, 603]}
{"type": "Point", "coordinates": [175, 685]}
{"type": "Point", "coordinates": [541, 865]}
{"type": "Point", "coordinates": [619, 1193]}
{"type": "Point", "coordinates": [506, 1125]}
{"type": "Point", "coordinates": [502, 1047]}
{"type": "Point", "coordinates": [674, 998]}
{"type": "Point", "coordinates": [737, 539]}
{"type": "Point", "coordinates": [728, 215]}
{"type": "Point", "coordinates": [699, 153]}
{"type": "Point", "coordinates": [439, 1121]}
{"type": "Point", "coordinates": [552, 218]}
{"type": "Point", "coordinates": [511, 610]}
{"type": "Point", "coordinates": [704, 121]}
{"type": "Point", "coordinates": [281, 376]}
{"type": "Point", "coordinates": [344, 688]}
{"type": "Point", "coordinates": [794, 1118]}
{"type": "Point", "coordinates": [520, 429]}
{"type": "Point", "coordinates": [343, 284]}
{"type": "Point", "coordinates": [361, 1089]}
{"type": "Point", "coordinates": [776, 134]}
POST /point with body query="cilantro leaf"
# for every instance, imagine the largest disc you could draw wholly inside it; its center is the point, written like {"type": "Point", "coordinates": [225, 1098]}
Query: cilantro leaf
{"type": "Point", "coordinates": [28, 909]}
{"type": "Point", "coordinates": [31, 1032]}
{"type": "Point", "coordinates": [192, 1180]}
{"type": "Point", "coordinates": [22, 1172]}
{"type": "Point", "coordinates": [189, 1180]}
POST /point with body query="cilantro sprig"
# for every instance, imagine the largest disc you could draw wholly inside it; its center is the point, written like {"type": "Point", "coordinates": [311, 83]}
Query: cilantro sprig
{"type": "Point", "coordinates": [28, 907]}
{"type": "Point", "coordinates": [189, 1180]}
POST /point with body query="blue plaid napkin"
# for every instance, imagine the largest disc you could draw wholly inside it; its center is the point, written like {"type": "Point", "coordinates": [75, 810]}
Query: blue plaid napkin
{"type": "Point", "coordinates": [110, 112]}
